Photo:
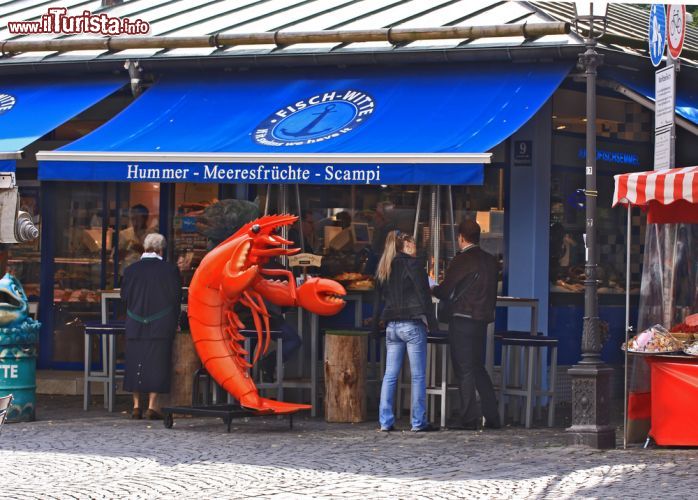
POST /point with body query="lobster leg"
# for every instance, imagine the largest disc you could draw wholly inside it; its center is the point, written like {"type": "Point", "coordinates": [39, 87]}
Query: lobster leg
{"type": "Point", "coordinates": [265, 318]}
{"type": "Point", "coordinates": [256, 313]}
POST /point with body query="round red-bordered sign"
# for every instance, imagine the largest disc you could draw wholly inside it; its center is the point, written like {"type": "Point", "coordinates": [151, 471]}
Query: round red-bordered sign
{"type": "Point", "coordinates": [676, 28]}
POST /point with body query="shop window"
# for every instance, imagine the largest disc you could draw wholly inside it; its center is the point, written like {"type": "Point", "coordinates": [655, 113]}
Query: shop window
{"type": "Point", "coordinates": [192, 228]}
{"type": "Point", "coordinates": [623, 145]}
{"type": "Point", "coordinates": [347, 225]}
{"type": "Point", "coordinates": [89, 220]}
{"type": "Point", "coordinates": [139, 211]}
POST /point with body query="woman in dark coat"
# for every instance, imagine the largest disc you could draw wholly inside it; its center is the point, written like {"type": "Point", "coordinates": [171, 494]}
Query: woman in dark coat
{"type": "Point", "coordinates": [152, 290]}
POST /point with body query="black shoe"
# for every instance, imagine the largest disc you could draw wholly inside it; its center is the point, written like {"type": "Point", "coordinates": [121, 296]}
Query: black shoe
{"type": "Point", "coordinates": [136, 414]}
{"type": "Point", "coordinates": [153, 415]}
{"type": "Point", "coordinates": [426, 428]}
{"type": "Point", "coordinates": [473, 425]}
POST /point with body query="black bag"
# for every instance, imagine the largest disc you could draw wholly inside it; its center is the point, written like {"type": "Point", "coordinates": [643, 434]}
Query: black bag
{"type": "Point", "coordinates": [444, 309]}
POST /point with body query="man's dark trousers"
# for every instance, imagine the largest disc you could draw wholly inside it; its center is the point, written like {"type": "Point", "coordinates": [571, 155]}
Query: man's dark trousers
{"type": "Point", "coordinates": [467, 341]}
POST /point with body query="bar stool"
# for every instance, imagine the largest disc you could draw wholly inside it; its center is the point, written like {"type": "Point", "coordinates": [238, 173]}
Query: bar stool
{"type": "Point", "coordinates": [211, 394]}
{"type": "Point", "coordinates": [531, 387]}
{"type": "Point", "coordinates": [106, 333]}
{"type": "Point", "coordinates": [437, 386]}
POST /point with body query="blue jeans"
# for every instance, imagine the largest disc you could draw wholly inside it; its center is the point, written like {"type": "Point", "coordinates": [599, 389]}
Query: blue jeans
{"type": "Point", "coordinates": [401, 335]}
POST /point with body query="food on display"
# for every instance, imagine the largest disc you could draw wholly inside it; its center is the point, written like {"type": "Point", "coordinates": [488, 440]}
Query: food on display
{"type": "Point", "coordinates": [655, 339]}
{"type": "Point", "coordinates": [350, 277]}
{"type": "Point", "coordinates": [365, 284]}
{"type": "Point", "coordinates": [691, 349]}
{"type": "Point", "coordinates": [70, 295]}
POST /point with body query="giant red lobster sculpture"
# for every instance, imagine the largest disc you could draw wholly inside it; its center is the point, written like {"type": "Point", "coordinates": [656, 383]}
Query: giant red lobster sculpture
{"type": "Point", "coordinates": [232, 273]}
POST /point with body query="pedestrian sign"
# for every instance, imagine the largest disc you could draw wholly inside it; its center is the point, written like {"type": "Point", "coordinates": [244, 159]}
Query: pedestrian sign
{"type": "Point", "coordinates": [676, 17]}
{"type": "Point", "coordinates": [657, 33]}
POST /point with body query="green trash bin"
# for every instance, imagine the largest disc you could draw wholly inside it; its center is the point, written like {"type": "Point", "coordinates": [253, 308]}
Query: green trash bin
{"type": "Point", "coordinates": [18, 338]}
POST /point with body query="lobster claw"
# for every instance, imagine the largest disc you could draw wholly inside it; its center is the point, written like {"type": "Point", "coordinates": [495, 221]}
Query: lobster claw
{"type": "Point", "coordinates": [321, 296]}
{"type": "Point", "coordinates": [234, 283]}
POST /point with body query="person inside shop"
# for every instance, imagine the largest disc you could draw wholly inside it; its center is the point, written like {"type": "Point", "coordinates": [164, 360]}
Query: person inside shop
{"type": "Point", "coordinates": [131, 239]}
{"type": "Point", "coordinates": [343, 219]}
{"type": "Point", "coordinates": [308, 231]}
{"type": "Point", "coordinates": [383, 224]}
{"type": "Point", "coordinates": [408, 314]}
{"type": "Point", "coordinates": [470, 283]}
{"type": "Point", "coordinates": [152, 291]}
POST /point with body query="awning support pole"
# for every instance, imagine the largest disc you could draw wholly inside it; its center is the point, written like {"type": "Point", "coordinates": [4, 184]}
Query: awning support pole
{"type": "Point", "coordinates": [435, 228]}
{"type": "Point", "coordinates": [299, 221]}
{"type": "Point", "coordinates": [451, 221]}
{"type": "Point", "coordinates": [283, 208]}
{"type": "Point", "coordinates": [266, 200]}
{"type": "Point", "coordinates": [419, 209]}
{"type": "Point", "coordinates": [627, 327]}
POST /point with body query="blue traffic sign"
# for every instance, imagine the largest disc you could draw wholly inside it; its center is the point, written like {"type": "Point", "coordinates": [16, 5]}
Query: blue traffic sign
{"type": "Point", "coordinates": [657, 33]}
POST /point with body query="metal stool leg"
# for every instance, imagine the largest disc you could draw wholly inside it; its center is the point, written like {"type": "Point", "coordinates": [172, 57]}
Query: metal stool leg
{"type": "Point", "coordinates": [444, 383]}
{"type": "Point", "coordinates": [279, 369]}
{"type": "Point", "coordinates": [551, 388]}
{"type": "Point", "coordinates": [503, 385]}
{"type": "Point", "coordinates": [431, 380]}
{"type": "Point", "coordinates": [530, 377]}
{"type": "Point", "coordinates": [514, 406]}
{"type": "Point", "coordinates": [105, 368]}
{"type": "Point", "coordinates": [112, 371]}
{"type": "Point", "coordinates": [88, 367]}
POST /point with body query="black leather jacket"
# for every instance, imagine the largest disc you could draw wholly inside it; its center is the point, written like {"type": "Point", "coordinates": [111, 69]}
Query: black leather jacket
{"type": "Point", "coordinates": [406, 294]}
{"type": "Point", "coordinates": [480, 299]}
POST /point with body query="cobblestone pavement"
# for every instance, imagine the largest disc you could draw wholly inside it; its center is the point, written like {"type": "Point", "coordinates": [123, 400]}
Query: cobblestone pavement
{"type": "Point", "coordinates": [97, 455]}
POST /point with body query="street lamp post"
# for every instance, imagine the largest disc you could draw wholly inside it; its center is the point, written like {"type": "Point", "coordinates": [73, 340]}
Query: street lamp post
{"type": "Point", "coordinates": [591, 389]}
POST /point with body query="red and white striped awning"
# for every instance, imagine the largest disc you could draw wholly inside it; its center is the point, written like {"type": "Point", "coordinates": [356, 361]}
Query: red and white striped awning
{"type": "Point", "coordinates": [671, 194]}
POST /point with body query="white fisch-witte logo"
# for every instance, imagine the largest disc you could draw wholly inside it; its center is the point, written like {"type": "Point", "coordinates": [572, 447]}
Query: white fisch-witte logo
{"type": "Point", "coordinates": [315, 119]}
{"type": "Point", "coordinates": [7, 102]}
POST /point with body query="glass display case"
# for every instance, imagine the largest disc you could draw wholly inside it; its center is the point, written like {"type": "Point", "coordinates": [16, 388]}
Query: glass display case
{"type": "Point", "coordinates": [99, 231]}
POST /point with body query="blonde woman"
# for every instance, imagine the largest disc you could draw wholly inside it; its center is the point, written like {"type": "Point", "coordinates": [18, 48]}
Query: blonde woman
{"type": "Point", "coordinates": [408, 314]}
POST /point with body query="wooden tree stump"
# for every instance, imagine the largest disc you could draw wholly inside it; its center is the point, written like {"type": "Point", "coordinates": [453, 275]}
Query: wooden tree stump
{"type": "Point", "coordinates": [184, 363]}
{"type": "Point", "coordinates": [345, 375]}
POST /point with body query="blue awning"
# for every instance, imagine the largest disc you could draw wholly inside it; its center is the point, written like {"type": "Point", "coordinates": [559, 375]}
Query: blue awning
{"type": "Point", "coordinates": [416, 125]}
{"type": "Point", "coordinates": [686, 96]}
{"type": "Point", "coordinates": [31, 108]}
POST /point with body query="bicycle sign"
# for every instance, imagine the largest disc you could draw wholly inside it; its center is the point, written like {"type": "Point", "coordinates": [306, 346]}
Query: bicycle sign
{"type": "Point", "coordinates": [657, 35]}
{"type": "Point", "coordinates": [676, 17]}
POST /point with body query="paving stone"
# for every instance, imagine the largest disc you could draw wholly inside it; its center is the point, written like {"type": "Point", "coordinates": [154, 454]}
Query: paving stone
{"type": "Point", "coordinates": [98, 455]}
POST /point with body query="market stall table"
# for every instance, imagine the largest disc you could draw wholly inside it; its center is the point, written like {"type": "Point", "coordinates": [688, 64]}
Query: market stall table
{"type": "Point", "coordinates": [674, 399]}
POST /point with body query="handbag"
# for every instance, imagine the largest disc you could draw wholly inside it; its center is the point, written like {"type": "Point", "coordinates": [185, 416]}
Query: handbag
{"type": "Point", "coordinates": [444, 309]}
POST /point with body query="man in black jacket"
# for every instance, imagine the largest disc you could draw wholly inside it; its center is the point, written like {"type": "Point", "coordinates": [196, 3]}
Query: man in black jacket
{"type": "Point", "coordinates": [472, 275]}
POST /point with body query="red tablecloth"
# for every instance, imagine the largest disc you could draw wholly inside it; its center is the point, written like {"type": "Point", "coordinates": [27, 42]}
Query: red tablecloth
{"type": "Point", "coordinates": [674, 401]}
